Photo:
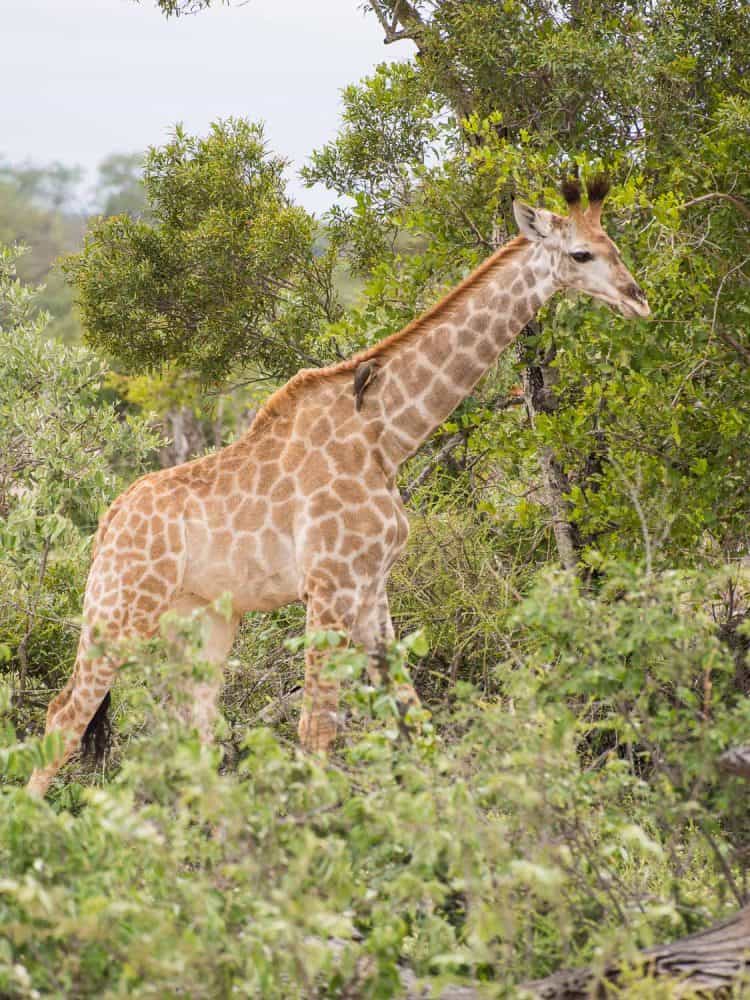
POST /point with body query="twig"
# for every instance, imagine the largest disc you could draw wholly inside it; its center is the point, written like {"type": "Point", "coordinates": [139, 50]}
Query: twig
{"type": "Point", "coordinates": [726, 337]}
{"type": "Point", "coordinates": [722, 862]}
{"type": "Point", "coordinates": [389, 30]}
{"type": "Point", "coordinates": [498, 403]}
{"type": "Point", "coordinates": [450, 445]}
{"type": "Point", "coordinates": [743, 351]}
{"type": "Point", "coordinates": [633, 494]}
{"type": "Point", "coordinates": [276, 710]}
{"type": "Point", "coordinates": [21, 651]}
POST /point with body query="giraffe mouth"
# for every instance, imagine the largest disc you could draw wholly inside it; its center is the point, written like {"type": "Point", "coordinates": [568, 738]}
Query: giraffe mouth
{"type": "Point", "coordinates": [629, 307]}
{"type": "Point", "coordinates": [634, 308]}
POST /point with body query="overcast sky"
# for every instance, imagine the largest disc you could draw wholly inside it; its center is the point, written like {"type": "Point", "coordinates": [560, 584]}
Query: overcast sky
{"type": "Point", "coordinates": [83, 78]}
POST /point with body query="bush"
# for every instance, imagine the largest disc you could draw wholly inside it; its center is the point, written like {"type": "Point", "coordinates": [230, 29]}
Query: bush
{"type": "Point", "coordinates": [523, 832]}
{"type": "Point", "coordinates": [63, 455]}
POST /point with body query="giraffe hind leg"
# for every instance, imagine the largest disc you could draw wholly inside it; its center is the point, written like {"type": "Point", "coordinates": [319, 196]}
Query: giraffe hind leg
{"type": "Point", "coordinates": [319, 718]}
{"type": "Point", "coordinates": [78, 709]}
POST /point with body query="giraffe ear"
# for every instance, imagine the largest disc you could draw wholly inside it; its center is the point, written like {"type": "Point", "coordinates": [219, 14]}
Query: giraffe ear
{"type": "Point", "coordinates": [534, 223]}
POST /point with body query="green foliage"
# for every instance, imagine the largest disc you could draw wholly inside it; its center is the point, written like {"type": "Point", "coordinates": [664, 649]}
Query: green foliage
{"type": "Point", "coordinates": [494, 848]}
{"type": "Point", "coordinates": [62, 455]}
{"type": "Point", "coordinates": [644, 416]}
{"type": "Point", "coordinates": [218, 276]}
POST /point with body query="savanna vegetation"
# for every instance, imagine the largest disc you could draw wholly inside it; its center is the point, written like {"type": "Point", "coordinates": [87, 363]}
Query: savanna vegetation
{"type": "Point", "coordinates": [573, 604]}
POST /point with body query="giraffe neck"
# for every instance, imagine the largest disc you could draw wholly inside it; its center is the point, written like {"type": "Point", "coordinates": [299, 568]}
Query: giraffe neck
{"type": "Point", "coordinates": [432, 371]}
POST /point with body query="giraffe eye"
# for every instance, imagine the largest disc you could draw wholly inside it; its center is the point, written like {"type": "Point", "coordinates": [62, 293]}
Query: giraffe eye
{"type": "Point", "coordinates": [581, 256]}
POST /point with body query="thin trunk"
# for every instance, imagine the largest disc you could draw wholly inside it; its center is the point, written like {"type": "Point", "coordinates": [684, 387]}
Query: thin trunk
{"type": "Point", "coordinates": [539, 395]}
{"type": "Point", "coordinates": [187, 438]}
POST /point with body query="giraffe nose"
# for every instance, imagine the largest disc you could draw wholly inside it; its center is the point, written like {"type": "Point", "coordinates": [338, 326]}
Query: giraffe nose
{"type": "Point", "coordinates": [635, 299]}
{"type": "Point", "coordinates": [634, 291]}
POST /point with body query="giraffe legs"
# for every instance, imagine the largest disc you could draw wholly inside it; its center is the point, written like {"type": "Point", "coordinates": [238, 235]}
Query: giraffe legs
{"type": "Point", "coordinates": [370, 626]}
{"type": "Point", "coordinates": [73, 708]}
{"type": "Point", "coordinates": [406, 696]}
{"type": "Point", "coordinates": [317, 724]}
{"type": "Point", "coordinates": [200, 706]}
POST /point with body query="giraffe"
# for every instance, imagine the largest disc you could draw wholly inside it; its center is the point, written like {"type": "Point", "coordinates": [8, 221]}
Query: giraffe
{"type": "Point", "coordinates": [304, 506]}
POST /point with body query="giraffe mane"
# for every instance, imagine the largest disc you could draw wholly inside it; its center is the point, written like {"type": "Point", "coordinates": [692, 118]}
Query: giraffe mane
{"type": "Point", "coordinates": [384, 348]}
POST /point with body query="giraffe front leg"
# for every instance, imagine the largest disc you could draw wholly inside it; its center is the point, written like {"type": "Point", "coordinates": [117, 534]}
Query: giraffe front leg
{"type": "Point", "coordinates": [406, 696]}
{"type": "Point", "coordinates": [319, 719]}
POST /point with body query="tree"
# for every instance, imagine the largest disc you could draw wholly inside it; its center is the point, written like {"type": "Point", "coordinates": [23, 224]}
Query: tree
{"type": "Point", "coordinates": [568, 808]}
{"type": "Point", "coordinates": [119, 185]}
{"type": "Point", "coordinates": [38, 209]}
{"type": "Point", "coordinates": [54, 186]}
{"type": "Point", "coordinates": [221, 272]}
{"type": "Point", "coordinates": [510, 96]}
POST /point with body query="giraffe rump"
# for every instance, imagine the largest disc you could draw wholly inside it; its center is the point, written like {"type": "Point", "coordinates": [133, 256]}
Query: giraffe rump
{"type": "Point", "coordinates": [97, 738]}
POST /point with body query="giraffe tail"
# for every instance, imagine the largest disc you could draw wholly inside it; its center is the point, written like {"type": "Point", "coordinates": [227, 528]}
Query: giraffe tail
{"type": "Point", "coordinates": [97, 738]}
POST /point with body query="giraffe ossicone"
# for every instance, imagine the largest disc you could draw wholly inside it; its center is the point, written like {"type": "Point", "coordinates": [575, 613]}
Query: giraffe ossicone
{"type": "Point", "coordinates": [304, 506]}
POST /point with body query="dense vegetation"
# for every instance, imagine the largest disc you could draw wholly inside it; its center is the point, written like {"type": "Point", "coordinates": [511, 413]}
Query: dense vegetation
{"type": "Point", "coordinates": [573, 603]}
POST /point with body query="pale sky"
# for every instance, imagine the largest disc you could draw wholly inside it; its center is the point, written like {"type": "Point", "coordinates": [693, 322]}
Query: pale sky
{"type": "Point", "coordinates": [83, 78]}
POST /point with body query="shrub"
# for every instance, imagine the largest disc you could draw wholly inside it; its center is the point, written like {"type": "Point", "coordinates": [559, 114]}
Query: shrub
{"type": "Point", "coordinates": [496, 846]}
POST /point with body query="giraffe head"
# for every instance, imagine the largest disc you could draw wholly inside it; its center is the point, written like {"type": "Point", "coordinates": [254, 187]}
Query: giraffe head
{"type": "Point", "coordinates": [581, 254]}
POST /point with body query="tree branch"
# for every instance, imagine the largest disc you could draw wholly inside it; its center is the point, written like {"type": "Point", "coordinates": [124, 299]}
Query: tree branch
{"type": "Point", "coordinates": [539, 396]}
{"type": "Point", "coordinates": [730, 341]}
{"type": "Point", "coordinates": [450, 445]}
{"type": "Point", "coordinates": [389, 27]}
{"type": "Point", "coordinates": [738, 203]}
{"type": "Point", "coordinates": [413, 27]}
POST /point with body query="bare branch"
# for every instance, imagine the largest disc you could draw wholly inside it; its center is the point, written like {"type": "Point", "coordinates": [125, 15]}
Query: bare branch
{"type": "Point", "coordinates": [392, 34]}
{"type": "Point", "coordinates": [730, 341]}
{"type": "Point", "coordinates": [738, 203]}
{"type": "Point", "coordinates": [450, 445]}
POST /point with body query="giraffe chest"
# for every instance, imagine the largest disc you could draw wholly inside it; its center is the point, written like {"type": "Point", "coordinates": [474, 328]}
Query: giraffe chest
{"type": "Point", "coordinates": [353, 543]}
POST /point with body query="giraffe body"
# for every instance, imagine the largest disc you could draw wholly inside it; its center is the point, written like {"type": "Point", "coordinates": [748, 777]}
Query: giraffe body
{"type": "Point", "coordinates": [304, 507]}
